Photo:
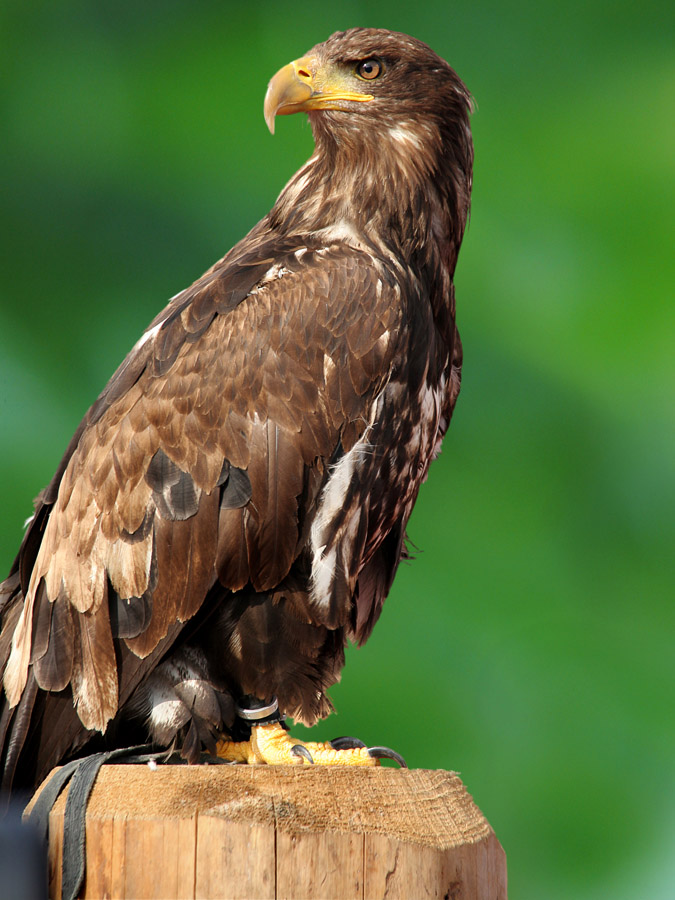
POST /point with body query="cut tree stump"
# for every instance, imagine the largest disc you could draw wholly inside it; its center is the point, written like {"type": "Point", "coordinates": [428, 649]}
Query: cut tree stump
{"type": "Point", "coordinates": [282, 832]}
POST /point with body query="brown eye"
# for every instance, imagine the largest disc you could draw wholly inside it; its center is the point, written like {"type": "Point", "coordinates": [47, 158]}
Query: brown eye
{"type": "Point", "coordinates": [369, 69]}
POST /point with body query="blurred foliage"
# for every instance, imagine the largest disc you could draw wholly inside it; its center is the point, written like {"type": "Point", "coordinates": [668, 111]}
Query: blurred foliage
{"type": "Point", "coordinates": [530, 646]}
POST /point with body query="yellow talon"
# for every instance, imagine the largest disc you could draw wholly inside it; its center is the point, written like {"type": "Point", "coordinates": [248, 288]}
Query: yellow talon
{"type": "Point", "coordinates": [272, 745]}
{"type": "Point", "coordinates": [325, 755]}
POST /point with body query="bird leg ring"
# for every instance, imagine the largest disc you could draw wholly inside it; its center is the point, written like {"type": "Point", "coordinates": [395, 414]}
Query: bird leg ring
{"type": "Point", "coordinates": [271, 744]}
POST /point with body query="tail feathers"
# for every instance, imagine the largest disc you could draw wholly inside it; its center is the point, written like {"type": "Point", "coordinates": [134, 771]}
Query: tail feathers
{"type": "Point", "coordinates": [11, 604]}
{"type": "Point", "coordinates": [24, 761]}
{"type": "Point", "coordinates": [14, 722]}
{"type": "Point", "coordinates": [18, 725]}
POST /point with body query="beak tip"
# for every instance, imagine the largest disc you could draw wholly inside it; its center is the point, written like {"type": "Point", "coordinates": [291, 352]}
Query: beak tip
{"type": "Point", "coordinates": [269, 111]}
{"type": "Point", "coordinates": [270, 108]}
{"type": "Point", "coordinates": [286, 93]}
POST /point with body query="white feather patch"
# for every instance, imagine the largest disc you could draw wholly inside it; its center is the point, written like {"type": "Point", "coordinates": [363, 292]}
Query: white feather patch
{"type": "Point", "coordinates": [323, 573]}
{"type": "Point", "coordinates": [324, 558]}
{"type": "Point", "coordinates": [342, 231]}
{"type": "Point", "coordinates": [149, 335]}
{"type": "Point", "coordinates": [407, 138]}
{"type": "Point", "coordinates": [272, 274]}
{"type": "Point", "coordinates": [328, 367]}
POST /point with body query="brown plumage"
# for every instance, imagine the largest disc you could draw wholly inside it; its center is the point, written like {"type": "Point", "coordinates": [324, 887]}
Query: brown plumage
{"type": "Point", "coordinates": [232, 508]}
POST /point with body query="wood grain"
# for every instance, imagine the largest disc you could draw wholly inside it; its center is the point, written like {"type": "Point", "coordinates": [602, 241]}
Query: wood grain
{"type": "Point", "coordinates": [234, 860]}
{"type": "Point", "coordinates": [283, 832]}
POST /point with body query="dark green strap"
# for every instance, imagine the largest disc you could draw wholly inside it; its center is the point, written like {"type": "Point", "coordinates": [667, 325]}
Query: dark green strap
{"type": "Point", "coordinates": [75, 821]}
{"type": "Point", "coordinates": [83, 773]}
{"type": "Point", "coordinates": [39, 814]}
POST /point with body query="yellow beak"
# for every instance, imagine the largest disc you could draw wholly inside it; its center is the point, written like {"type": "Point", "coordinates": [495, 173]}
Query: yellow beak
{"type": "Point", "coordinates": [305, 84]}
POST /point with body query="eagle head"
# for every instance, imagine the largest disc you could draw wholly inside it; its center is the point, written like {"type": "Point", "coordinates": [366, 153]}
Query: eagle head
{"type": "Point", "coordinates": [394, 154]}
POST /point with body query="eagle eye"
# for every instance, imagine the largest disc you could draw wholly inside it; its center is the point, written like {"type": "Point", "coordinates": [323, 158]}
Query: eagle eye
{"type": "Point", "coordinates": [369, 69]}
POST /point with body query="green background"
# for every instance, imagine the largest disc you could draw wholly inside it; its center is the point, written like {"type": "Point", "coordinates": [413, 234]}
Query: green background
{"type": "Point", "coordinates": [530, 645]}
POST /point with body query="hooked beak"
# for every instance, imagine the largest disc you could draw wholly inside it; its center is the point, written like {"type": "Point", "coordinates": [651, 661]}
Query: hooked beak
{"type": "Point", "coordinates": [305, 84]}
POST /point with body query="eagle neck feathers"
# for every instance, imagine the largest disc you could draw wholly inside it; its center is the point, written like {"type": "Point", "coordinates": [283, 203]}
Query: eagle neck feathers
{"type": "Point", "coordinates": [401, 191]}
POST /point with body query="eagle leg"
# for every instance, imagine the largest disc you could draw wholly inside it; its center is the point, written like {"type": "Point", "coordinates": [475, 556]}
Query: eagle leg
{"type": "Point", "coordinates": [271, 744]}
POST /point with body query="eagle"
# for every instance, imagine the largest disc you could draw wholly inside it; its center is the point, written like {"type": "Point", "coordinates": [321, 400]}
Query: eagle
{"type": "Point", "coordinates": [232, 509]}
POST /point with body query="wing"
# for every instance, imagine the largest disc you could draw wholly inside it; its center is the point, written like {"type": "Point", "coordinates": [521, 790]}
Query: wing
{"type": "Point", "coordinates": [203, 460]}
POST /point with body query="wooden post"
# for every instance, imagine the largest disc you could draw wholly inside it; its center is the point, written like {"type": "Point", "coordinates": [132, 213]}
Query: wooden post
{"type": "Point", "coordinates": [260, 832]}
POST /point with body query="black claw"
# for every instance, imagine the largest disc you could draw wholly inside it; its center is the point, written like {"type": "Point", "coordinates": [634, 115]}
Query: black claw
{"type": "Point", "coordinates": [346, 743]}
{"type": "Point", "coordinates": [387, 753]}
{"type": "Point", "coordinates": [299, 750]}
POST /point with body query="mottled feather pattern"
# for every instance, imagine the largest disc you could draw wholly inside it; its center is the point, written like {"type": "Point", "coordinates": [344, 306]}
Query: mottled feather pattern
{"type": "Point", "coordinates": [237, 495]}
{"type": "Point", "coordinates": [92, 524]}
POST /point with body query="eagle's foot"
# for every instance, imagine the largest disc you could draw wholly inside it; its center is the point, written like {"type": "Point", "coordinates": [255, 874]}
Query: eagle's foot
{"type": "Point", "coordinates": [273, 745]}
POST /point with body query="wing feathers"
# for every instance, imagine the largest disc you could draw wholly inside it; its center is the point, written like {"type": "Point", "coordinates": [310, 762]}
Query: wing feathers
{"type": "Point", "coordinates": [232, 550]}
{"type": "Point", "coordinates": [276, 474]}
{"type": "Point", "coordinates": [204, 458]}
{"type": "Point", "coordinates": [128, 566]}
{"type": "Point", "coordinates": [94, 676]}
{"type": "Point", "coordinates": [16, 671]}
{"type": "Point", "coordinates": [42, 623]}
{"type": "Point", "coordinates": [129, 616]}
{"type": "Point", "coordinates": [53, 670]}
{"type": "Point", "coordinates": [185, 558]}
{"type": "Point", "coordinates": [236, 490]}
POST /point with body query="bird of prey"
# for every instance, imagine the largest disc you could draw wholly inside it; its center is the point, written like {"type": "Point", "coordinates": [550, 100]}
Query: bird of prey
{"type": "Point", "coordinates": [232, 508]}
